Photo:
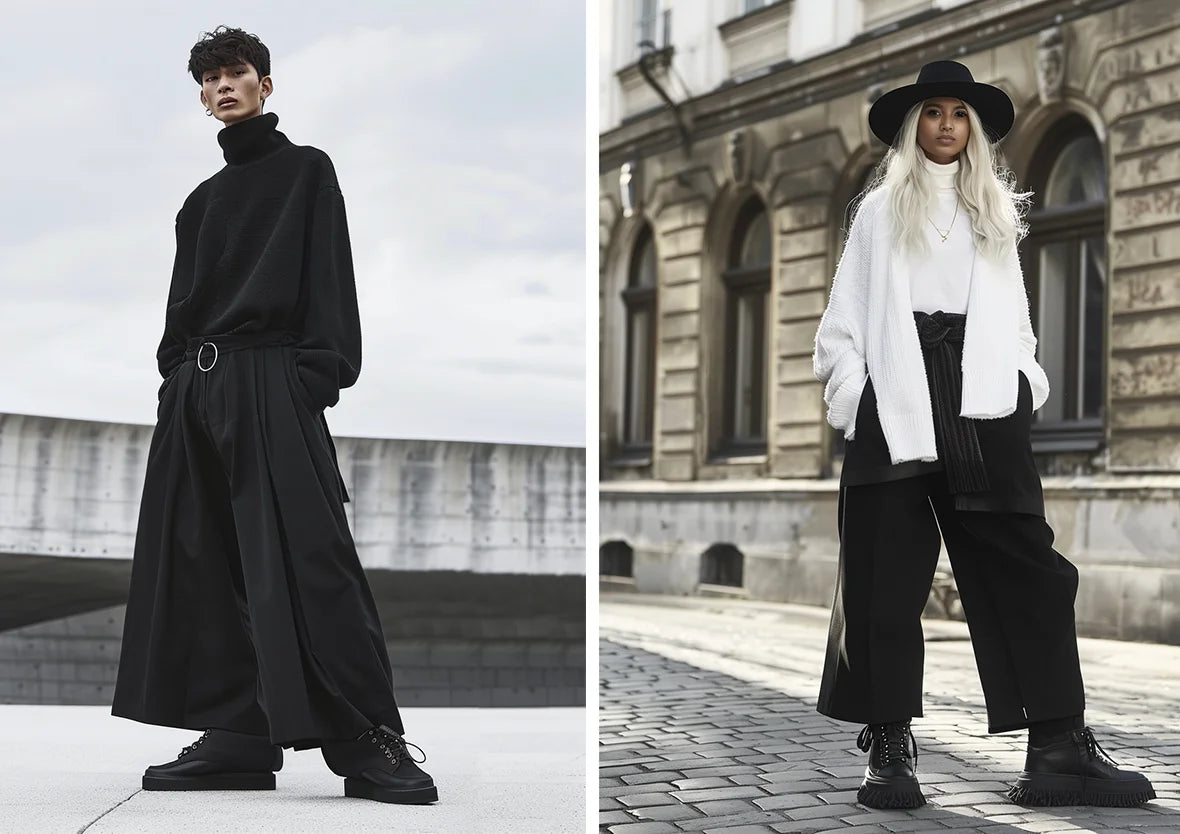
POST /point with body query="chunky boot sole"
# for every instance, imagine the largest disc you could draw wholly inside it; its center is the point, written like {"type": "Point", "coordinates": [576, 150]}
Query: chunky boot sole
{"type": "Point", "coordinates": [364, 789]}
{"type": "Point", "coordinates": [1048, 789]}
{"type": "Point", "coordinates": [211, 782]}
{"type": "Point", "coordinates": [891, 794]}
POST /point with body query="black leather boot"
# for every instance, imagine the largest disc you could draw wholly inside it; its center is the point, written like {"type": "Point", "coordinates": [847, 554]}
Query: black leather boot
{"type": "Point", "coordinates": [1076, 771]}
{"type": "Point", "coordinates": [377, 765]}
{"type": "Point", "coordinates": [220, 760]}
{"type": "Point", "coordinates": [889, 779]}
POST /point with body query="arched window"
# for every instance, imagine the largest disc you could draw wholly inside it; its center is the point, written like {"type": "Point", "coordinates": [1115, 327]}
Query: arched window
{"type": "Point", "coordinates": [747, 287]}
{"type": "Point", "coordinates": [1065, 269]}
{"type": "Point", "coordinates": [639, 299]}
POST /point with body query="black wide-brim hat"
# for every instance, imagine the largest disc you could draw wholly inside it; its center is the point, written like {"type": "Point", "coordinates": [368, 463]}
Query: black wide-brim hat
{"type": "Point", "coordinates": [935, 80]}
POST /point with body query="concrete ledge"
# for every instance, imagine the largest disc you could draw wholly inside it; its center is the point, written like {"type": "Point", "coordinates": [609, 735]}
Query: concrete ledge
{"type": "Point", "coordinates": [1120, 531]}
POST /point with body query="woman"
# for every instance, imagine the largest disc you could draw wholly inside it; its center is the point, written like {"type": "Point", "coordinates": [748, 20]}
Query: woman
{"type": "Point", "coordinates": [929, 361]}
{"type": "Point", "coordinates": [249, 615]}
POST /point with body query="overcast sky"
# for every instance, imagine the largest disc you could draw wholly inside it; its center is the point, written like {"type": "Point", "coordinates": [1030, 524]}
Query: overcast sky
{"type": "Point", "coordinates": [457, 132]}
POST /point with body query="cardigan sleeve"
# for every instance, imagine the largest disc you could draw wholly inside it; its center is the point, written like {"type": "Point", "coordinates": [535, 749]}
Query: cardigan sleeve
{"type": "Point", "coordinates": [328, 353]}
{"type": "Point", "coordinates": [839, 358]}
{"type": "Point", "coordinates": [1038, 382]}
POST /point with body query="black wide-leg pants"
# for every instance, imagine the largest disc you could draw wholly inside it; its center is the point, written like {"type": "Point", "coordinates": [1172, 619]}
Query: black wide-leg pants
{"type": "Point", "coordinates": [248, 607]}
{"type": "Point", "coordinates": [1017, 594]}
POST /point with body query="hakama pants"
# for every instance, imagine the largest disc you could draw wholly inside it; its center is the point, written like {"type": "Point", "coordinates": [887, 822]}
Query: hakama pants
{"type": "Point", "coordinates": [248, 608]}
{"type": "Point", "coordinates": [1017, 592]}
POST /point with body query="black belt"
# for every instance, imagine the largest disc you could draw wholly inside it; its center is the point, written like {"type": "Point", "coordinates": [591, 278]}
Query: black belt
{"type": "Point", "coordinates": [208, 348]}
{"type": "Point", "coordinates": [941, 336]}
{"type": "Point", "coordinates": [214, 346]}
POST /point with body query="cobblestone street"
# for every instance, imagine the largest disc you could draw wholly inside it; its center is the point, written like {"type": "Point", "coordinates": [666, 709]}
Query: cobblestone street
{"type": "Point", "coordinates": [708, 723]}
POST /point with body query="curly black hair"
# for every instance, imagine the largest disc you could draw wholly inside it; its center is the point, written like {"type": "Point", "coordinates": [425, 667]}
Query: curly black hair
{"type": "Point", "coordinates": [225, 46]}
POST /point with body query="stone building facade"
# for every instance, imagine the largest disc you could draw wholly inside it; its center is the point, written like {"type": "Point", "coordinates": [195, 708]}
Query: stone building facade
{"type": "Point", "coordinates": [722, 209]}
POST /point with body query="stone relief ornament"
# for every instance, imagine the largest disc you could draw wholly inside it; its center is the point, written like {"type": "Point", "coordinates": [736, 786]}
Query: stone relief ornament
{"type": "Point", "coordinates": [629, 187]}
{"type": "Point", "coordinates": [1050, 64]}
{"type": "Point", "coordinates": [738, 155]}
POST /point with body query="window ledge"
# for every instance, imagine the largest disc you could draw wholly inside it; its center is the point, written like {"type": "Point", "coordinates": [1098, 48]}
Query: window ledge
{"type": "Point", "coordinates": [1066, 437]}
{"type": "Point", "coordinates": [758, 39]}
{"type": "Point", "coordinates": [630, 460]}
{"type": "Point", "coordinates": [737, 457]}
{"type": "Point", "coordinates": [621, 581]}
{"type": "Point", "coordinates": [705, 589]}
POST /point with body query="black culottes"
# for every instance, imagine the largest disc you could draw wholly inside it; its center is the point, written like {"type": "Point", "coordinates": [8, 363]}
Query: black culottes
{"type": "Point", "coordinates": [248, 608]}
{"type": "Point", "coordinates": [1017, 592]}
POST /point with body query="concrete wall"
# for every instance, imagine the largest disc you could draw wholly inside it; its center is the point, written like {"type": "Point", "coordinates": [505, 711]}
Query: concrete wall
{"type": "Point", "coordinates": [72, 488]}
{"type": "Point", "coordinates": [475, 554]}
{"type": "Point", "coordinates": [1122, 535]}
{"type": "Point", "coordinates": [475, 641]}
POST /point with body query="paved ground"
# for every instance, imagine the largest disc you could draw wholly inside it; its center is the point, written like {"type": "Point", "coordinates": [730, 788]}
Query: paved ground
{"type": "Point", "coordinates": [78, 769]}
{"type": "Point", "coordinates": [708, 724]}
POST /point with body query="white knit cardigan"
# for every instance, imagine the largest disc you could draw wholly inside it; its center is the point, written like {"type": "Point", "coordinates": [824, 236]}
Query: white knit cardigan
{"type": "Point", "coordinates": [868, 330]}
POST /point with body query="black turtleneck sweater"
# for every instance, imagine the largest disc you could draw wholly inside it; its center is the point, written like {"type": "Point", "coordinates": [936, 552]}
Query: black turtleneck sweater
{"type": "Point", "coordinates": [262, 246]}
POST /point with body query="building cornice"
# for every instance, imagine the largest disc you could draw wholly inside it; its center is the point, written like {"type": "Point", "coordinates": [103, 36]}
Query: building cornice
{"type": "Point", "coordinates": [869, 59]}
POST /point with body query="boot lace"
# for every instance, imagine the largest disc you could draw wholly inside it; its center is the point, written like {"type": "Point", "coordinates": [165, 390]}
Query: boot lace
{"type": "Point", "coordinates": [191, 747]}
{"type": "Point", "coordinates": [891, 742]}
{"type": "Point", "coordinates": [1093, 748]}
{"type": "Point", "coordinates": [393, 744]}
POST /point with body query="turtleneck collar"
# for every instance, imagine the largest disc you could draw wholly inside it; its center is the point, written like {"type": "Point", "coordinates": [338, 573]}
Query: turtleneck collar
{"type": "Point", "coordinates": [943, 176]}
{"type": "Point", "coordinates": [251, 139]}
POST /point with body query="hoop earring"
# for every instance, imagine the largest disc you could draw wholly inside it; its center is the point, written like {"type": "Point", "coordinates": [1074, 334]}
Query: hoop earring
{"type": "Point", "coordinates": [208, 112]}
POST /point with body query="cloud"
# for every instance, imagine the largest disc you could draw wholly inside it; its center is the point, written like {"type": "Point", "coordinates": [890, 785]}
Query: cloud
{"type": "Point", "coordinates": [458, 141]}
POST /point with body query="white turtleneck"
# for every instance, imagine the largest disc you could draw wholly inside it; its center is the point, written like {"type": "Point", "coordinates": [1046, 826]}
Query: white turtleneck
{"type": "Point", "coordinates": [941, 280]}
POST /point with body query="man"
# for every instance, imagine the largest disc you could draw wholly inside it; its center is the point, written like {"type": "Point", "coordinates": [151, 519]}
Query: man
{"type": "Point", "coordinates": [249, 615]}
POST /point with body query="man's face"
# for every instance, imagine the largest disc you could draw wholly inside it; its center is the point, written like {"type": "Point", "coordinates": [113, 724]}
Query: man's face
{"type": "Point", "coordinates": [943, 129]}
{"type": "Point", "coordinates": [234, 92]}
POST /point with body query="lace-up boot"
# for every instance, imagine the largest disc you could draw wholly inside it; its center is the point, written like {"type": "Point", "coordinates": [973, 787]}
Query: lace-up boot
{"type": "Point", "coordinates": [1076, 771]}
{"type": "Point", "coordinates": [889, 779]}
{"type": "Point", "coordinates": [220, 760]}
{"type": "Point", "coordinates": [377, 765]}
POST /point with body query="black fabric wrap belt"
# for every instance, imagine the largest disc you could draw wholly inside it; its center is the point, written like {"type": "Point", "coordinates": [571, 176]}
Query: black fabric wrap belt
{"type": "Point", "coordinates": [941, 336]}
{"type": "Point", "coordinates": [229, 342]}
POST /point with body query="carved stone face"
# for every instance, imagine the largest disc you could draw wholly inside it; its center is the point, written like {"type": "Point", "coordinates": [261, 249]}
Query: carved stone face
{"type": "Point", "coordinates": [1050, 64]}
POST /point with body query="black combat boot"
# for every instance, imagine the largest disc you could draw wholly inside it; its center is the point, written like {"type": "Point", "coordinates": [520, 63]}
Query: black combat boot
{"type": "Point", "coordinates": [1075, 770]}
{"type": "Point", "coordinates": [377, 765]}
{"type": "Point", "coordinates": [220, 760]}
{"type": "Point", "coordinates": [889, 779]}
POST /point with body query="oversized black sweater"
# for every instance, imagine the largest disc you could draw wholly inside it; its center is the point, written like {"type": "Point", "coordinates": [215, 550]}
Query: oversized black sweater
{"type": "Point", "coordinates": [262, 246]}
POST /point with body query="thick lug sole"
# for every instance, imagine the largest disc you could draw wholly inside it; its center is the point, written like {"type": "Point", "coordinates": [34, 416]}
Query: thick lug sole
{"type": "Point", "coordinates": [364, 789]}
{"type": "Point", "coordinates": [211, 782]}
{"type": "Point", "coordinates": [1052, 789]}
{"type": "Point", "coordinates": [890, 793]}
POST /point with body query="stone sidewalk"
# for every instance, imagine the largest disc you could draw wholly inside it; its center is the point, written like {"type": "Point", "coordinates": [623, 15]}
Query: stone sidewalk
{"type": "Point", "coordinates": [73, 769]}
{"type": "Point", "coordinates": [708, 724]}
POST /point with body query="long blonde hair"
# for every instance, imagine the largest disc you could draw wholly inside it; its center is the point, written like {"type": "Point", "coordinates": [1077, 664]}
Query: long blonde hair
{"type": "Point", "coordinates": [986, 188]}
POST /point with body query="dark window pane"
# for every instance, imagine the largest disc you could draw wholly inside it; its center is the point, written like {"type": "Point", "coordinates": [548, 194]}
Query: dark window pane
{"type": "Point", "coordinates": [749, 415]}
{"type": "Point", "coordinates": [755, 249]}
{"type": "Point", "coordinates": [639, 300]}
{"type": "Point", "coordinates": [639, 382]}
{"type": "Point", "coordinates": [616, 558]}
{"type": "Point", "coordinates": [643, 262]}
{"type": "Point", "coordinates": [1093, 278]}
{"type": "Point", "coordinates": [645, 20]}
{"type": "Point", "coordinates": [1052, 330]}
{"type": "Point", "coordinates": [1078, 174]}
{"type": "Point", "coordinates": [721, 564]}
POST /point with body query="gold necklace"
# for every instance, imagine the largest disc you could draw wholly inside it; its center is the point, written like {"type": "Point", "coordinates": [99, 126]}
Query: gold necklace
{"type": "Point", "coordinates": [945, 235]}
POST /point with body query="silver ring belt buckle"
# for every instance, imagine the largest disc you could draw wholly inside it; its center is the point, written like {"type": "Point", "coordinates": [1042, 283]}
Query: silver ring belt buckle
{"type": "Point", "coordinates": [201, 350]}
